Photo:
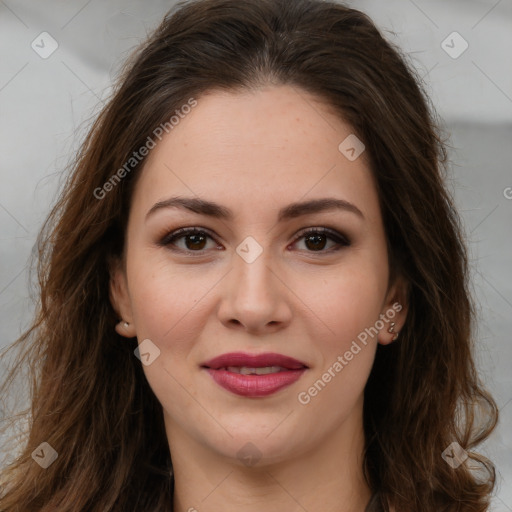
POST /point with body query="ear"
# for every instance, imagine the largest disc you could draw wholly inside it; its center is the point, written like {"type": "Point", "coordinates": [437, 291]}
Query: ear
{"type": "Point", "coordinates": [120, 299]}
{"type": "Point", "coordinates": [394, 311]}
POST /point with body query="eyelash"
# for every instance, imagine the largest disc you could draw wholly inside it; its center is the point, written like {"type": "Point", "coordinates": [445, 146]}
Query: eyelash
{"type": "Point", "coordinates": [170, 238]}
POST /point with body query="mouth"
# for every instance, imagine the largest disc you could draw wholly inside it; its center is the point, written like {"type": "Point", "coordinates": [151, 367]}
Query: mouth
{"type": "Point", "coordinates": [254, 375]}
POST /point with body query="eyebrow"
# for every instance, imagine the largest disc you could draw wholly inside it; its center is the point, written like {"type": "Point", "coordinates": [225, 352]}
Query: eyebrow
{"type": "Point", "coordinates": [293, 210]}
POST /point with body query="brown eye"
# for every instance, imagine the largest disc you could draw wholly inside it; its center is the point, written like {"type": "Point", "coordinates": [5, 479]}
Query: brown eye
{"type": "Point", "coordinates": [195, 239]}
{"type": "Point", "coordinates": [315, 239]}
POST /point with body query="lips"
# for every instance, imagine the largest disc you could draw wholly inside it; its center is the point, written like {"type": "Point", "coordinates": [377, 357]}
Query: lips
{"type": "Point", "coordinates": [241, 360]}
{"type": "Point", "coordinates": [254, 375]}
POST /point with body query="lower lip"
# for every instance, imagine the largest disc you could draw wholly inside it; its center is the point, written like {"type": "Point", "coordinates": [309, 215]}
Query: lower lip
{"type": "Point", "coordinates": [255, 385]}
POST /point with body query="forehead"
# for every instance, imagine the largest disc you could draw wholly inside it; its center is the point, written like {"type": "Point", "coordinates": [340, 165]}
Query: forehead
{"type": "Point", "coordinates": [257, 150]}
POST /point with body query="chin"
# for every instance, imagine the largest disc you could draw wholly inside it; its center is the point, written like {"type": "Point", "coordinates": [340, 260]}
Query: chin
{"type": "Point", "coordinates": [251, 446]}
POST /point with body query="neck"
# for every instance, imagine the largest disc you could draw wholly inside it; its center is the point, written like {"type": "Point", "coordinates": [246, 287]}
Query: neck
{"type": "Point", "coordinates": [329, 477]}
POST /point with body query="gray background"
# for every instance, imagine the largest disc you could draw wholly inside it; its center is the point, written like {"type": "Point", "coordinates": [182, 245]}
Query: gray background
{"type": "Point", "coordinates": [46, 106]}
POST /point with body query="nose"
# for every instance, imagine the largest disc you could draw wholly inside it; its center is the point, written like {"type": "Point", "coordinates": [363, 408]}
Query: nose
{"type": "Point", "coordinates": [254, 296]}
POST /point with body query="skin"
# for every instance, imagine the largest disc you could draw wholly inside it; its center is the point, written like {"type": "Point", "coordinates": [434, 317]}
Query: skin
{"type": "Point", "coordinates": [254, 153]}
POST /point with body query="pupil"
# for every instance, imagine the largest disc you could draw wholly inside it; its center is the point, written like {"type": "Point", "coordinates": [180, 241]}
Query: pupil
{"type": "Point", "coordinates": [195, 241]}
{"type": "Point", "coordinates": [198, 240]}
{"type": "Point", "coordinates": [316, 238]}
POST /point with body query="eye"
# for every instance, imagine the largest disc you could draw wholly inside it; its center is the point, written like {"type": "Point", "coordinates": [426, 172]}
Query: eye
{"type": "Point", "coordinates": [315, 239]}
{"type": "Point", "coordinates": [195, 239]}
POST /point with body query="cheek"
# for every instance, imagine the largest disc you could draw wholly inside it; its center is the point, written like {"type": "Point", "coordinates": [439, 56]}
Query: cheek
{"type": "Point", "coordinates": [166, 306]}
{"type": "Point", "coordinates": [348, 304]}
{"type": "Point", "coordinates": [339, 301]}
{"type": "Point", "coordinates": [346, 300]}
{"type": "Point", "coordinates": [166, 301]}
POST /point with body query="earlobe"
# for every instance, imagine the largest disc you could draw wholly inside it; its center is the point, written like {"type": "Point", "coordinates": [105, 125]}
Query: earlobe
{"type": "Point", "coordinates": [120, 300]}
{"type": "Point", "coordinates": [395, 313]}
{"type": "Point", "coordinates": [393, 319]}
{"type": "Point", "coordinates": [125, 329]}
{"type": "Point", "coordinates": [392, 331]}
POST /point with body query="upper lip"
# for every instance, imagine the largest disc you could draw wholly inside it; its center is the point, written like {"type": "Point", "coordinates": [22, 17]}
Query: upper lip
{"type": "Point", "coordinates": [240, 359]}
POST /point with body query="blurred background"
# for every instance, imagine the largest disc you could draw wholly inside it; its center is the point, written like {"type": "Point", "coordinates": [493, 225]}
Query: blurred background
{"type": "Point", "coordinates": [58, 60]}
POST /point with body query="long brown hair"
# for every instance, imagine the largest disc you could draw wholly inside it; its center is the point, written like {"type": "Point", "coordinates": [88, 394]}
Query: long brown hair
{"type": "Point", "coordinates": [90, 400]}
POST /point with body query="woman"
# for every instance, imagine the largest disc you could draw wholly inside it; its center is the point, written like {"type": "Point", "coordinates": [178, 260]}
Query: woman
{"type": "Point", "coordinates": [254, 286]}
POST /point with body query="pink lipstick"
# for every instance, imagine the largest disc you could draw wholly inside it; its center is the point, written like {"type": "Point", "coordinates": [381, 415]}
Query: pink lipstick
{"type": "Point", "coordinates": [254, 375]}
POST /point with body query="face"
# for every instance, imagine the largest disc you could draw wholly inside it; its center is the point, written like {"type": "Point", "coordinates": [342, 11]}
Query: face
{"type": "Point", "coordinates": [262, 278]}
